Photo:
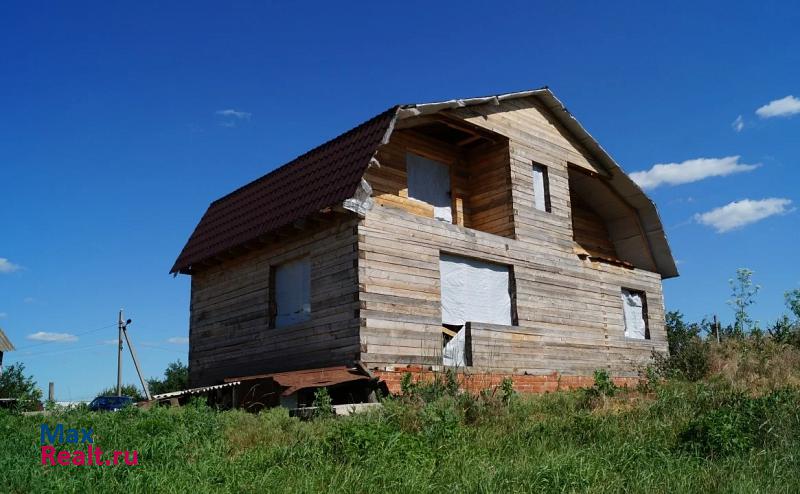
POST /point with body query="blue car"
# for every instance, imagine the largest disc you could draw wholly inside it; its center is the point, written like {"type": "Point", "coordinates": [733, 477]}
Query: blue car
{"type": "Point", "coordinates": [110, 403]}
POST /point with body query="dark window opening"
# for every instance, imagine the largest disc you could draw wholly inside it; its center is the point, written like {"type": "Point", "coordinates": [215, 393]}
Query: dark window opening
{"type": "Point", "coordinates": [541, 188]}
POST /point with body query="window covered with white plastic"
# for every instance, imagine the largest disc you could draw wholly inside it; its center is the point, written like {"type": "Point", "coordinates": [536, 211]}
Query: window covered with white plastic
{"type": "Point", "coordinates": [634, 305]}
{"type": "Point", "coordinates": [474, 291]}
{"type": "Point", "coordinates": [291, 290]}
{"type": "Point", "coordinates": [429, 181]}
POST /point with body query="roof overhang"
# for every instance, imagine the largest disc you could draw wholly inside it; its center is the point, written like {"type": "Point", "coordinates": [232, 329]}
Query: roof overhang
{"type": "Point", "coordinates": [5, 343]}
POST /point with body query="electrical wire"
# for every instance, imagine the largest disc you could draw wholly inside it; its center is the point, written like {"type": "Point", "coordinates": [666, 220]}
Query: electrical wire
{"type": "Point", "coordinates": [76, 335]}
{"type": "Point", "coordinates": [62, 351]}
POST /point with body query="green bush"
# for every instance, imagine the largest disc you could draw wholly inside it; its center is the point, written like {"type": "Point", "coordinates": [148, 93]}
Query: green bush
{"type": "Point", "coordinates": [603, 385]}
{"type": "Point", "coordinates": [323, 403]}
{"type": "Point", "coordinates": [688, 351]}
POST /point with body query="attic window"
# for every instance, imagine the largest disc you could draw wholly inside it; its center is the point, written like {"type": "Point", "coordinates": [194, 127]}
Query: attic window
{"type": "Point", "coordinates": [541, 188]}
{"type": "Point", "coordinates": [429, 181]}
{"type": "Point", "coordinates": [291, 288]}
{"type": "Point", "coordinates": [634, 306]}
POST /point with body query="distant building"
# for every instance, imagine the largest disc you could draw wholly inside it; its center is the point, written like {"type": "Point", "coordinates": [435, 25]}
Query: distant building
{"type": "Point", "coordinates": [5, 346]}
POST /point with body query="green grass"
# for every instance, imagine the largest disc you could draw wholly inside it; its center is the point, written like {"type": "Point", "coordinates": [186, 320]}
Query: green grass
{"type": "Point", "coordinates": [679, 437]}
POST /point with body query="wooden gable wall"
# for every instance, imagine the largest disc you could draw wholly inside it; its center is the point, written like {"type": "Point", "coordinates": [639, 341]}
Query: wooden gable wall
{"type": "Point", "coordinates": [229, 333]}
{"type": "Point", "coordinates": [570, 310]}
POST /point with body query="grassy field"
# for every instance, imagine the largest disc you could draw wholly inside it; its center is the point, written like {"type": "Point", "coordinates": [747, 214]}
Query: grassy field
{"type": "Point", "coordinates": [672, 437]}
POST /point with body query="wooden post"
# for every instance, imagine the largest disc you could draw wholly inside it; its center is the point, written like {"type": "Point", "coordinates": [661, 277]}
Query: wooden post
{"type": "Point", "coordinates": [136, 363]}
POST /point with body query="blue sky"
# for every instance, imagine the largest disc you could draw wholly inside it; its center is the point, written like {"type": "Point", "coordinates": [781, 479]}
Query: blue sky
{"type": "Point", "coordinates": [115, 135]}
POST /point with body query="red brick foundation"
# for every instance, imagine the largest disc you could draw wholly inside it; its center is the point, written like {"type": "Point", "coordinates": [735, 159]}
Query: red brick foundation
{"type": "Point", "coordinates": [475, 382]}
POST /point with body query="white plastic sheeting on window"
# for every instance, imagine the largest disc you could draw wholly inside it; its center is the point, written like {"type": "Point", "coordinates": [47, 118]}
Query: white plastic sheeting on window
{"type": "Point", "coordinates": [633, 312]}
{"type": "Point", "coordinates": [429, 181]}
{"type": "Point", "coordinates": [539, 188]}
{"type": "Point", "coordinates": [474, 291]}
{"type": "Point", "coordinates": [454, 350]}
{"type": "Point", "coordinates": [293, 292]}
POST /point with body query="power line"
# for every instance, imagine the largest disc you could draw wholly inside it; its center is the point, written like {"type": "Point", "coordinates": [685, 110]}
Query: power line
{"type": "Point", "coordinates": [157, 347]}
{"type": "Point", "coordinates": [76, 335]}
{"type": "Point", "coordinates": [63, 350]}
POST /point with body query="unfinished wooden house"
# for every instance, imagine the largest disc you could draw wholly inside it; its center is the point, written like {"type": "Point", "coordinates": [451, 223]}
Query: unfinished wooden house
{"type": "Point", "coordinates": [490, 234]}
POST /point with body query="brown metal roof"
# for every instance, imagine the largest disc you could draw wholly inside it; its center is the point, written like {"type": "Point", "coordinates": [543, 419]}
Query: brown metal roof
{"type": "Point", "coordinates": [331, 173]}
{"type": "Point", "coordinates": [5, 343]}
{"type": "Point", "coordinates": [321, 178]}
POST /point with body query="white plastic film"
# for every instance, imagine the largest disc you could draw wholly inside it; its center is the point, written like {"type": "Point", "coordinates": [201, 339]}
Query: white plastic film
{"type": "Point", "coordinates": [474, 291]}
{"type": "Point", "coordinates": [293, 292]}
{"type": "Point", "coordinates": [539, 188]}
{"type": "Point", "coordinates": [429, 181]}
{"type": "Point", "coordinates": [454, 350]}
{"type": "Point", "coordinates": [633, 312]}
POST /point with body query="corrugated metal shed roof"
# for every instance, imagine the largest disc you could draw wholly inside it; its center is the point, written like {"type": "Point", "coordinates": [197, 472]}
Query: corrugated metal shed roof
{"type": "Point", "coordinates": [194, 391]}
{"type": "Point", "coordinates": [5, 343]}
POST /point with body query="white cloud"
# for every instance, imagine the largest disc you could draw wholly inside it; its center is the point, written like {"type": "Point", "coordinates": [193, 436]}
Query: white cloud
{"type": "Point", "coordinates": [784, 107]}
{"type": "Point", "coordinates": [740, 213]}
{"type": "Point", "coordinates": [178, 340]}
{"type": "Point", "coordinates": [7, 266]}
{"type": "Point", "coordinates": [59, 337]}
{"type": "Point", "coordinates": [690, 171]}
{"type": "Point", "coordinates": [29, 300]}
{"type": "Point", "coordinates": [738, 124]}
{"type": "Point", "coordinates": [3, 315]}
{"type": "Point", "coordinates": [232, 117]}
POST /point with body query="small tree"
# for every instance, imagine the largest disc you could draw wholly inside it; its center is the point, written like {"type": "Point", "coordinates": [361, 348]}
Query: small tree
{"type": "Point", "coordinates": [15, 384]}
{"type": "Point", "coordinates": [743, 293]}
{"type": "Point", "coordinates": [688, 351]}
{"type": "Point", "coordinates": [792, 298]}
{"type": "Point", "coordinates": [784, 331]}
{"type": "Point", "coordinates": [176, 378]}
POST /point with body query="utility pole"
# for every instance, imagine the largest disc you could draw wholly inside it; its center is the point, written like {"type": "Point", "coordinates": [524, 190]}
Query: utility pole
{"type": "Point", "coordinates": [119, 354]}
{"type": "Point", "coordinates": [123, 331]}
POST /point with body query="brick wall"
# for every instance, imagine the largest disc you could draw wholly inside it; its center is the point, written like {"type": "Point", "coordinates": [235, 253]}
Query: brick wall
{"type": "Point", "coordinates": [475, 382]}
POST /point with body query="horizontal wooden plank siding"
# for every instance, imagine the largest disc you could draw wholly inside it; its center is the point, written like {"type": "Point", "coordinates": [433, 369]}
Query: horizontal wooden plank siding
{"type": "Point", "coordinates": [573, 306]}
{"type": "Point", "coordinates": [569, 310]}
{"type": "Point", "coordinates": [229, 322]}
